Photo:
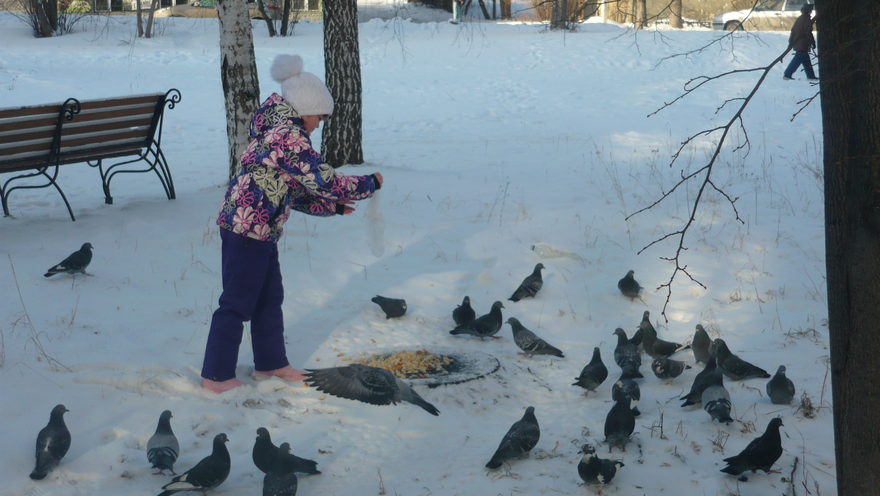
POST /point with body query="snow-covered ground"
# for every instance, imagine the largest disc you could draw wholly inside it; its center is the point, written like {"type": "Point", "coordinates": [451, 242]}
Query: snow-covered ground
{"type": "Point", "coordinates": [492, 138]}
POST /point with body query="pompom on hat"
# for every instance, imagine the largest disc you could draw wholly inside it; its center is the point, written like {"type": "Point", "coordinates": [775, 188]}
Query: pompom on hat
{"type": "Point", "coordinates": [303, 90]}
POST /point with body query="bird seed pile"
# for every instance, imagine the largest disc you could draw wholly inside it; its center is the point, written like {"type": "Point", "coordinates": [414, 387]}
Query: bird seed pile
{"type": "Point", "coordinates": [408, 364]}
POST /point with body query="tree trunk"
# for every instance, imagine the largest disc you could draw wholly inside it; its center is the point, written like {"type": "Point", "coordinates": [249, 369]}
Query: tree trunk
{"type": "Point", "coordinates": [52, 14]}
{"type": "Point", "coordinates": [42, 27]}
{"type": "Point", "coordinates": [148, 32]}
{"type": "Point", "coordinates": [140, 20]}
{"type": "Point", "coordinates": [285, 17]}
{"type": "Point", "coordinates": [559, 15]}
{"type": "Point", "coordinates": [238, 73]}
{"type": "Point", "coordinates": [341, 141]}
{"type": "Point", "coordinates": [505, 9]}
{"type": "Point", "coordinates": [270, 24]}
{"type": "Point", "coordinates": [640, 14]}
{"type": "Point", "coordinates": [849, 39]}
{"type": "Point", "coordinates": [675, 20]}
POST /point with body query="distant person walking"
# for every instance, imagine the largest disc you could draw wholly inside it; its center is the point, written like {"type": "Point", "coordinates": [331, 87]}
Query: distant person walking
{"type": "Point", "coordinates": [801, 41]}
{"type": "Point", "coordinates": [457, 5]}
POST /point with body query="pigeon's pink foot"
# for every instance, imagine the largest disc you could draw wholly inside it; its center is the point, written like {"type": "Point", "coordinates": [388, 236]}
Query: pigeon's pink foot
{"type": "Point", "coordinates": [221, 386]}
{"type": "Point", "coordinates": [287, 373]}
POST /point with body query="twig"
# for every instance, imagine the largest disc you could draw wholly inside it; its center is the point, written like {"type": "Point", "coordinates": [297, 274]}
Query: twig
{"type": "Point", "coordinates": [791, 477]}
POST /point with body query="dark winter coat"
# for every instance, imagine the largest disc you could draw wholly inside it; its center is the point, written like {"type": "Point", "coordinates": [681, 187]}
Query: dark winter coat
{"type": "Point", "coordinates": [801, 38]}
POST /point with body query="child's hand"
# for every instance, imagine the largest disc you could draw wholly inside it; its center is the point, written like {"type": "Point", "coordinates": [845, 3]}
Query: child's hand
{"type": "Point", "coordinates": [345, 207]}
{"type": "Point", "coordinates": [378, 176]}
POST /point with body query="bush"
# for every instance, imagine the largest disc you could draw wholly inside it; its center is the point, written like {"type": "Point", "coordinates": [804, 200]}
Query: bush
{"type": "Point", "coordinates": [75, 7]}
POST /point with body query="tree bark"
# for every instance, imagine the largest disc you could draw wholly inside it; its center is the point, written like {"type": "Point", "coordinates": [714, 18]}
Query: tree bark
{"type": "Point", "coordinates": [341, 141]}
{"type": "Point", "coordinates": [640, 14]}
{"type": "Point", "coordinates": [675, 19]}
{"type": "Point", "coordinates": [505, 9]}
{"type": "Point", "coordinates": [559, 15]}
{"type": "Point", "coordinates": [148, 32]}
{"type": "Point", "coordinates": [849, 40]}
{"type": "Point", "coordinates": [270, 23]}
{"type": "Point", "coordinates": [140, 19]}
{"type": "Point", "coordinates": [285, 17]}
{"type": "Point", "coordinates": [238, 73]}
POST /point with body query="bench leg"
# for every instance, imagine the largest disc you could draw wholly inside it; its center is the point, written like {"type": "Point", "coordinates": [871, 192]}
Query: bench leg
{"type": "Point", "coordinates": [51, 182]}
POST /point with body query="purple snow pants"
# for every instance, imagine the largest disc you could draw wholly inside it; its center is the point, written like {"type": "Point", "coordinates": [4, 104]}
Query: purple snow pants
{"type": "Point", "coordinates": [252, 291]}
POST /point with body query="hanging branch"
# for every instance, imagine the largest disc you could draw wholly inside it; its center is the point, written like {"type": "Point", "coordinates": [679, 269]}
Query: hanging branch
{"type": "Point", "coordinates": [704, 173]}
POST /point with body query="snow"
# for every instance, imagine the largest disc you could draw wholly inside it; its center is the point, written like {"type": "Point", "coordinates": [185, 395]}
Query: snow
{"type": "Point", "coordinates": [492, 138]}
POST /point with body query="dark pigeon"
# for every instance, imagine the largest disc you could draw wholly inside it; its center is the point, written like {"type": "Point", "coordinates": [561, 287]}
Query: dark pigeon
{"type": "Point", "coordinates": [393, 307]}
{"type": "Point", "coordinates": [667, 368]}
{"type": "Point", "coordinates": [163, 448]}
{"type": "Point", "coordinates": [522, 436]}
{"type": "Point", "coordinates": [654, 346]}
{"type": "Point", "coordinates": [716, 399]}
{"type": "Point", "coordinates": [595, 470]}
{"type": "Point", "coordinates": [626, 354]}
{"type": "Point", "coordinates": [463, 314]}
{"type": "Point", "coordinates": [735, 367]}
{"type": "Point", "coordinates": [485, 325]}
{"type": "Point", "coordinates": [760, 454]}
{"type": "Point", "coordinates": [619, 424]}
{"type": "Point", "coordinates": [73, 264]}
{"type": "Point", "coordinates": [593, 374]}
{"type": "Point", "coordinates": [264, 452]}
{"type": "Point", "coordinates": [530, 285]}
{"type": "Point", "coordinates": [280, 480]}
{"type": "Point", "coordinates": [294, 463]}
{"type": "Point", "coordinates": [53, 441]}
{"type": "Point", "coordinates": [207, 474]}
{"type": "Point", "coordinates": [531, 344]}
{"type": "Point", "coordinates": [780, 389]}
{"type": "Point", "coordinates": [628, 286]}
{"type": "Point", "coordinates": [626, 388]}
{"type": "Point", "coordinates": [700, 344]}
{"type": "Point", "coordinates": [701, 382]}
{"type": "Point", "coordinates": [367, 384]}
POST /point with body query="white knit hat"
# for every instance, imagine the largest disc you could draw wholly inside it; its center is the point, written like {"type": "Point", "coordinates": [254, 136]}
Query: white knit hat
{"type": "Point", "coordinates": [303, 90]}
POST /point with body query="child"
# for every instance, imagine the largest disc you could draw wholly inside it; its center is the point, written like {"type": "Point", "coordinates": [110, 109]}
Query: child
{"type": "Point", "coordinates": [279, 170]}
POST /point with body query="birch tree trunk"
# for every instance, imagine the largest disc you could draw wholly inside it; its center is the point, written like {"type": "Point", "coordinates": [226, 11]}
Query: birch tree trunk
{"type": "Point", "coordinates": [238, 73]}
{"type": "Point", "coordinates": [341, 141]}
{"type": "Point", "coordinates": [675, 19]}
{"type": "Point", "coordinates": [849, 40]}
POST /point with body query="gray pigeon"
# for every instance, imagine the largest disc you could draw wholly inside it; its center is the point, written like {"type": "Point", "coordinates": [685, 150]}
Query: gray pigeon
{"type": "Point", "coordinates": [280, 480]}
{"type": "Point", "coordinates": [264, 452]}
{"type": "Point", "coordinates": [667, 368]}
{"type": "Point", "coordinates": [294, 463]}
{"type": "Point", "coordinates": [735, 367]}
{"type": "Point", "coordinates": [163, 448]}
{"type": "Point", "coordinates": [619, 424]}
{"type": "Point", "coordinates": [393, 307]}
{"type": "Point", "coordinates": [780, 389]}
{"type": "Point", "coordinates": [626, 354]}
{"type": "Point", "coordinates": [701, 382]}
{"type": "Point", "coordinates": [529, 342]}
{"type": "Point", "coordinates": [654, 346]}
{"type": "Point", "coordinates": [73, 264]}
{"type": "Point", "coordinates": [595, 470]}
{"type": "Point", "coordinates": [53, 441]}
{"type": "Point", "coordinates": [760, 454]}
{"type": "Point", "coordinates": [484, 326]}
{"type": "Point", "coordinates": [209, 473]}
{"type": "Point", "coordinates": [700, 344]}
{"type": "Point", "coordinates": [367, 384]}
{"type": "Point", "coordinates": [522, 436]}
{"type": "Point", "coordinates": [716, 399]}
{"type": "Point", "coordinates": [464, 314]}
{"type": "Point", "coordinates": [593, 373]}
{"type": "Point", "coordinates": [628, 286]}
{"type": "Point", "coordinates": [627, 388]}
{"type": "Point", "coordinates": [530, 285]}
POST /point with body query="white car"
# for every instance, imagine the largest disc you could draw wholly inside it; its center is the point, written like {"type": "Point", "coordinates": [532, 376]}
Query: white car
{"type": "Point", "coordinates": [769, 15]}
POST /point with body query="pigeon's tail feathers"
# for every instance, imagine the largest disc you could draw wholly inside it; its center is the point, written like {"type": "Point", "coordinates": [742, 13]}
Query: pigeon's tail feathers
{"type": "Point", "coordinates": [418, 400]}
{"type": "Point", "coordinates": [732, 468]}
{"type": "Point", "coordinates": [45, 464]}
{"type": "Point", "coordinates": [54, 270]}
{"type": "Point", "coordinates": [552, 350]}
{"type": "Point", "coordinates": [496, 460]}
{"type": "Point", "coordinates": [162, 458]}
{"type": "Point", "coordinates": [514, 298]}
{"type": "Point", "coordinates": [464, 329]}
{"type": "Point", "coordinates": [39, 474]}
{"type": "Point", "coordinates": [690, 399]}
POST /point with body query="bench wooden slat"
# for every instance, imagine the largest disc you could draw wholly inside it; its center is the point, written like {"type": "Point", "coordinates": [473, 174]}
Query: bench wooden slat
{"type": "Point", "coordinates": [46, 133]}
{"type": "Point", "coordinates": [136, 135]}
{"type": "Point", "coordinates": [118, 102]}
{"type": "Point", "coordinates": [111, 114]}
{"type": "Point", "coordinates": [29, 111]}
{"type": "Point", "coordinates": [28, 124]}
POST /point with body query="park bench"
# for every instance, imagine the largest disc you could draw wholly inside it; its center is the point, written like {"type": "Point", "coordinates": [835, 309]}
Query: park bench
{"type": "Point", "coordinates": [36, 141]}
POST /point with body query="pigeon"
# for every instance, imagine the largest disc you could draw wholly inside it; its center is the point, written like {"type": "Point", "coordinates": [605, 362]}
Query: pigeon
{"type": "Point", "coordinates": [393, 307]}
{"type": "Point", "coordinates": [654, 346]}
{"type": "Point", "coordinates": [264, 452]}
{"type": "Point", "coordinates": [463, 314]}
{"type": "Point", "coordinates": [53, 441]}
{"type": "Point", "coordinates": [716, 399]}
{"type": "Point", "coordinates": [760, 454]}
{"type": "Point", "coordinates": [294, 463]}
{"type": "Point", "coordinates": [593, 374]}
{"type": "Point", "coordinates": [367, 384]}
{"type": "Point", "coordinates": [735, 367]}
{"type": "Point", "coordinates": [485, 325]}
{"type": "Point", "coordinates": [627, 354]}
{"type": "Point", "coordinates": [279, 479]}
{"type": "Point", "coordinates": [75, 263]}
{"type": "Point", "coordinates": [628, 286]}
{"type": "Point", "coordinates": [780, 389]}
{"type": "Point", "coordinates": [163, 448]}
{"type": "Point", "coordinates": [207, 474]}
{"type": "Point", "coordinates": [522, 436]}
{"type": "Point", "coordinates": [530, 285]}
{"type": "Point", "coordinates": [627, 388]}
{"type": "Point", "coordinates": [529, 342]}
{"type": "Point", "coordinates": [619, 424]}
{"type": "Point", "coordinates": [700, 344]}
{"type": "Point", "coordinates": [701, 382]}
{"type": "Point", "coordinates": [595, 470]}
{"type": "Point", "coordinates": [667, 368]}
